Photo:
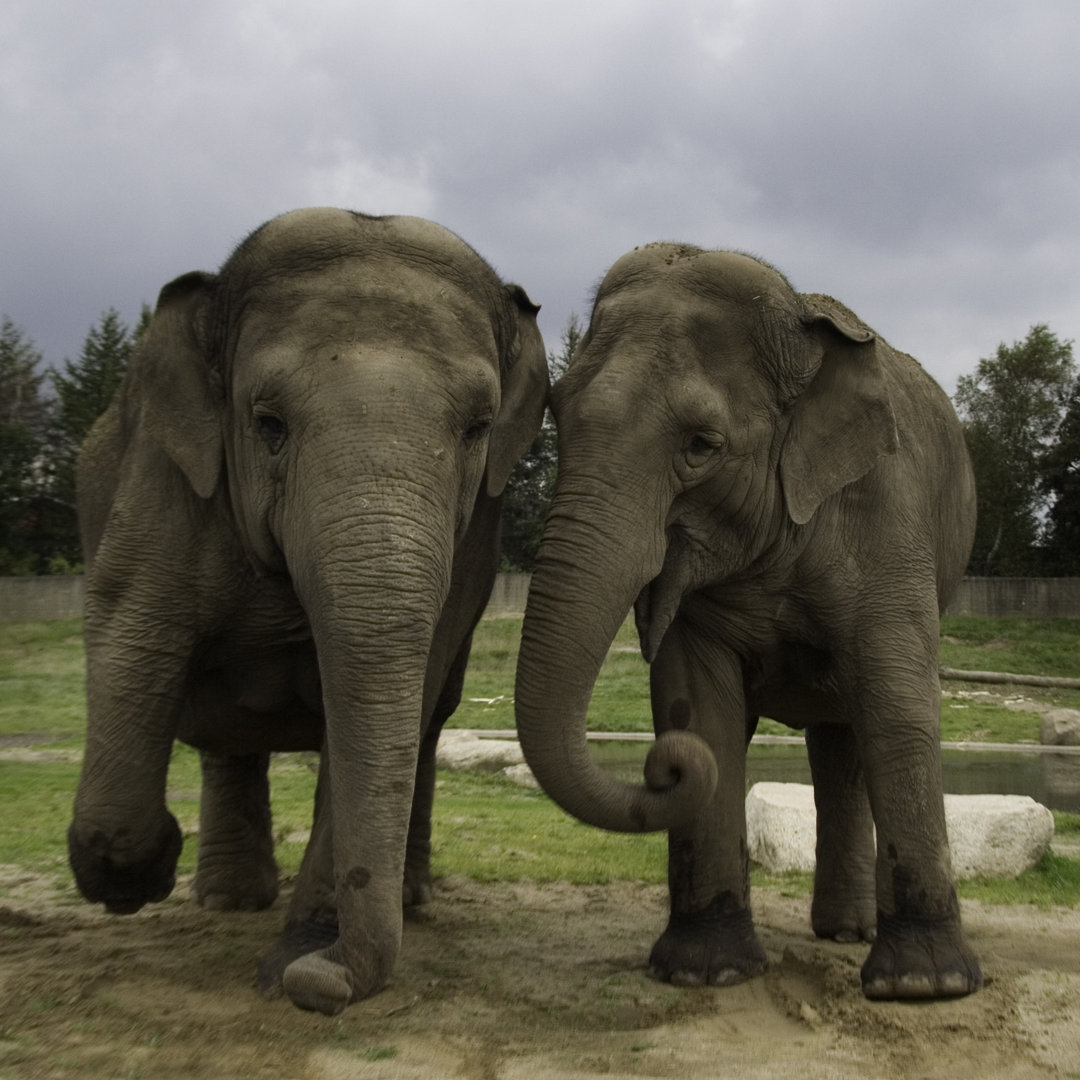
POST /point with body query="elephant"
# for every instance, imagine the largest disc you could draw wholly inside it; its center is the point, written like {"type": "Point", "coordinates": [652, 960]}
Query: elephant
{"type": "Point", "coordinates": [786, 503]}
{"type": "Point", "coordinates": [290, 513]}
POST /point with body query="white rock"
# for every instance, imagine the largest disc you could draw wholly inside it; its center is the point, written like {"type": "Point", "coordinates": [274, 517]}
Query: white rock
{"type": "Point", "coordinates": [780, 826]}
{"type": "Point", "coordinates": [1060, 727]}
{"type": "Point", "coordinates": [996, 835]}
{"type": "Point", "coordinates": [989, 835]}
{"type": "Point", "coordinates": [521, 774]}
{"type": "Point", "coordinates": [464, 751]}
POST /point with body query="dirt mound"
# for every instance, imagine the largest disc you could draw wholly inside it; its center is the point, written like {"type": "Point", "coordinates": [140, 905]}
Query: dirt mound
{"type": "Point", "coordinates": [510, 981]}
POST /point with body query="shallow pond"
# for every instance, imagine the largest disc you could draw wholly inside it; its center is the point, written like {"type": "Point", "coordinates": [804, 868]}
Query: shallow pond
{"type": "Point", "coordinates": [1052, 779]}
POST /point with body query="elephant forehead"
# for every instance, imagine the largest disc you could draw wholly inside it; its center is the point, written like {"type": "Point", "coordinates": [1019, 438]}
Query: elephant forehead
{"type": "Point", "coordinates": [359, 300]}
{"type": "Point", "coordinates": [681, 267]}
{"type": "Point", "coordinates": [312, 236]}
{"type": "Point", "coordinates": [670, 328]}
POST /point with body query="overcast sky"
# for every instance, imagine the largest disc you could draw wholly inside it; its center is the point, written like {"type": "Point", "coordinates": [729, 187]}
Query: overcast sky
{"type": "Point", "coordinates": [918, 160]}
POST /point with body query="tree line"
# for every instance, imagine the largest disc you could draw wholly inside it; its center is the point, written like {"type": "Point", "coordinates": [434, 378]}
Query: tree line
{"type": "Point", "coordinates": [1020, 409]}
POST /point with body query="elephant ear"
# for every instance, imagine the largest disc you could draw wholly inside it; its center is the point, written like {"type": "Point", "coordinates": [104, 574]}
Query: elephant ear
{"type": "Point", "coordinates": [842, 422]}
{"type": "Point", "coordinates": [181, 399]}
{"type": "Point", "coordinates": [524, 395]}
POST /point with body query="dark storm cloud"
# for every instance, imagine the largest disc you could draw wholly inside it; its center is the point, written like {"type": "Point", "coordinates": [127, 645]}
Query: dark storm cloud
{"type": "Point", "coordinates": [921, 160]}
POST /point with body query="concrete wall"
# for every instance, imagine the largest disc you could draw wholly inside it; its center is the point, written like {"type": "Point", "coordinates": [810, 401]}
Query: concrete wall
{"type": "Point", "coordinates": [35, 599]}
{"type": "Point", "coordinates": [1036, 598]}
{"type": "Point", "coordinates": [508, 595]}
{"type": "Point", "coordinates": [39, 599]}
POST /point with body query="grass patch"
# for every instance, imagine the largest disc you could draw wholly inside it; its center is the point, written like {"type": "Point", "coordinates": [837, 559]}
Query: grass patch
{"type": "Point", "coordinates": [1023, 646]}
{"type": "Point", "coordinates": [493, 830]}
{"type": "Point", "coordinates": [1054, 881]}
{"type": "Point", "coordinates": [620, 700]}
{"type": "Point", "coordinates": [484, 826]}
{"type": "Point", "coordinates": [35, 811]}
{"type": "Point", "coordinates": [43, 679]}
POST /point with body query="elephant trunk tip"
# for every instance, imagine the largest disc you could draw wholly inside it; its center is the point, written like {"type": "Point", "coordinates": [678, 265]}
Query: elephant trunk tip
{"type": "Point", "coordinates": [682, 765]}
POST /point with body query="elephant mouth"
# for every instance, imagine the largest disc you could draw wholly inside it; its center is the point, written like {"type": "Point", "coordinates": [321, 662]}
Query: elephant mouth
{"type": "Point", "coordinates": [658, 602]}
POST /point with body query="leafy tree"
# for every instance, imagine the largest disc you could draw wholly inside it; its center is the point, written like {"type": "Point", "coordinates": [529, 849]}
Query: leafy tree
{"type": "Point", "coordinates": [1061, 482]}
{"type": "Point", "coordinates": [24, 421]}
{"type": "Point", "coordinates": [529, 489]}
{"type": "Point", "coordinates": [1011, 409]}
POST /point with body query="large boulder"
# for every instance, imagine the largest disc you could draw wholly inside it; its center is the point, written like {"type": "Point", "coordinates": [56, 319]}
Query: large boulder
{"type": "Point", "coordinates": [996, 835]}
{"type": "Point", "coordinates": [1060, 727]}
{"type": "Point", "coordinates": [989, 835]}
{"type": "Point", "coordinates": [781, 826]}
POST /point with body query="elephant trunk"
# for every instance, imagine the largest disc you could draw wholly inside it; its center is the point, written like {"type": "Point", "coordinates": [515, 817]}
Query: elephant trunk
{"type": "Point", "coordinates": [373, 588]}
{"type": "Point", "coordinates": [573, 613]}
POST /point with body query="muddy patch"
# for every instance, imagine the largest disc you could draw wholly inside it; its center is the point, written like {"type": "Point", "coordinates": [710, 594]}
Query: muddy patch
{"type": "Point", "coordinates": [511, 981]}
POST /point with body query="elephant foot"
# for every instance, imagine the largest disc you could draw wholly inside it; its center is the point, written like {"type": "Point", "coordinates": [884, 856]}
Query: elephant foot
{"type": "Point", "coordinates": [299, 938]}
{"type": "Point", "coordinates": [124, 885]}
{"type": "Point", "coordinates": [416, 891]}
{"type": "Point", "coordinates": [708, 948]}
{"type": "Point", "coordinates": [913, 959]}
{"type": "Point", "coordinates": [235, 884]}
{"type": "Point", "coordinates": [320, 982]}
{"type": "Point", "coordinates": [846, 919]}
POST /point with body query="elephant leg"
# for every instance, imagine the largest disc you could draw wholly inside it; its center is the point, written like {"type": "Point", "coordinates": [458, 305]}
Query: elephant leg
{"type": "Point", "coordinates": [416, 888]}
{"type": "Point", "coordinates": [123, 843]}
{"type": "Point", "coordinates": [710, 937]}
{"type": "Point", "coordinates": [843, 907]}
{"type": "Point", "coordinates": [312, 920]}
{"type": "Point", "coordinates": [920, 950]}
{"type": "Point", "coordinates": [236, 869]}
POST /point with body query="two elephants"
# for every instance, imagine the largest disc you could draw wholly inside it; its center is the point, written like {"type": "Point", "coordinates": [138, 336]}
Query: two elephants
{"type": "Point", "coordinates": [290, 516]}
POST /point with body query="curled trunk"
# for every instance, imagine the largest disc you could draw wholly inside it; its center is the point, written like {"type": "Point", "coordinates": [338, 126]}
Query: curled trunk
{"type": "Point", "coordinates": [574, 611]}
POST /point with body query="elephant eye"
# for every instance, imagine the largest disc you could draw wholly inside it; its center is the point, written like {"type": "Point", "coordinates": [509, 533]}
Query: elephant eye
{"type": "Point", "coordinates": [700, 448]}
{"type": "Point", "coordinates": [273, 431]}
{"type": "Point", "coordinates": [476, 431]}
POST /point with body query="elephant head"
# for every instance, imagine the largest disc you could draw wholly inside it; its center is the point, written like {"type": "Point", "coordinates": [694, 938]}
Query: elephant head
{"type": "Point", "coordinates": [707, 415]}
{"type": "Point", "coordinates": [324, 412]}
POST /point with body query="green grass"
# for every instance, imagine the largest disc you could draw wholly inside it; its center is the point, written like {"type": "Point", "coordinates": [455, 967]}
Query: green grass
{"type": "Point", "coordinates": [494, 830]}
{"type": "Point", "coordinates": [35, 811]}
{"type": "Point", "coordinates": [620, 701]}
{"type": "Point", "coordinates": [484, 826]}
{"type": "Point", "coordinates": [1054, 881]}
{"type": "Point", "coordinates": [43, 679]}
{"type": "Point", "coordinates": [1022, 646]}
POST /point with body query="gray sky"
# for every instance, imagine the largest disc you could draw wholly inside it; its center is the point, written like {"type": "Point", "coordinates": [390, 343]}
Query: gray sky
{"type": "Point", "coordinates": [920, 161]}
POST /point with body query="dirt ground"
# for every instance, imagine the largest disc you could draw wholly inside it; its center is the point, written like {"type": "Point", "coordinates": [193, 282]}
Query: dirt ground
{"type": "Point", "coordinates": [512, 981]}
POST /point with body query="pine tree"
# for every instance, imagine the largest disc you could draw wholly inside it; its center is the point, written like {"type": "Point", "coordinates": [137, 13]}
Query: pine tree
{"type": "Point", "coordinates": [24, 422]}
{"type": "Point", "coordinates": [86, 387]}
{"type": "Point", "coordinates": [83, 391]}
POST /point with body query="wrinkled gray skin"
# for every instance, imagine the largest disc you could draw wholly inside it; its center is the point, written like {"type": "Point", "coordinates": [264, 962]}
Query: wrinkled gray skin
{"type": "Point", "coordinates": [290, 513]}
{"type": "Point", "coordinates": [786, 502]}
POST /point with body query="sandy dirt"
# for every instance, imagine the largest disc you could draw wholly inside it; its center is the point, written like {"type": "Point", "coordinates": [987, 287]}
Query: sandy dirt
{"type": "Point", "coordinates": [510, 981]}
